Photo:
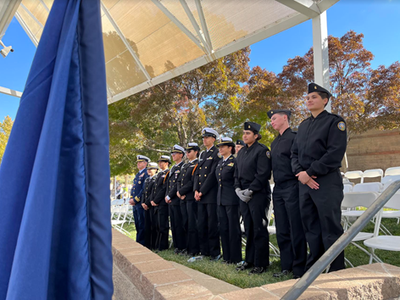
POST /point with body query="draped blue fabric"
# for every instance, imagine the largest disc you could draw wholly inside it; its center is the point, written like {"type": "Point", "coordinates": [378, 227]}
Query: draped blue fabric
{"type": "Point", "coordinates": [55, 232]}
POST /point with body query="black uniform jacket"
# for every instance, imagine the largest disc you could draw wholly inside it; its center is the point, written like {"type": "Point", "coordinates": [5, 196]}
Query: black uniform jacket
{"type": "Point", "coordinates": [205, 181]}
{"type": "Point", "coordinates": [224, 173]}
{"type": "Point", "coordinates": [160, 186]}
{"type": "Point", "coordinates": [172, 183]}
{"type": "Point", "coordinates": [148, 190]}
{"type": "Point", "coordinates": [281, 159]}
{"type": "Point", "coordinates": [320, 144]}
{"type": "Point", "coordinates": [185, 179]}
{"type": "Point", "coordinates": [253, 168]}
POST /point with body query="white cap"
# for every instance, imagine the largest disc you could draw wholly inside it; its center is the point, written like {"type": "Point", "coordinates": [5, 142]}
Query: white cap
{"type": "Point", "coordinates": [209, 132]}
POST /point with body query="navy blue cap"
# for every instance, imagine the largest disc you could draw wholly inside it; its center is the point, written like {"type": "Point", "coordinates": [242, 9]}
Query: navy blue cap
{"type": "Point", "coordinates": [276, 111]}
{"type": "Point", "coordinates": [313, 87]}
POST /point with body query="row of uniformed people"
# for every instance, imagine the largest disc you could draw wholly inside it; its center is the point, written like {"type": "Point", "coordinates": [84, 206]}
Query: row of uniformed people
{"type": "Point", "coordinates": [306, 212]}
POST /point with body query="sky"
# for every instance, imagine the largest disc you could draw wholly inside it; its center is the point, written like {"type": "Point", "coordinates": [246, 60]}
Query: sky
{"type": "Point", "coordinates": [378, 20]}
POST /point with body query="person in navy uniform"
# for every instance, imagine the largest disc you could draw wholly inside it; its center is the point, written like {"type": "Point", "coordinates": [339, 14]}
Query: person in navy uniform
{"type": "Point", "coordinates": [158, 201]}
{"type": "Point", "coordinates": [317, 153]}
{"type": "Point", "coordinates": [289, 228]}
{"type": "Point", "coordinates": [205, 192]}
{"type": "Point", "coordinates": [150, 223]}
{"type": "Point", "coordinates": [186, 194]}
{"type": "Point", "coordinates": [228, 203]}
{"type": "Point", "coordinates": [136, 193]}
{"type": "Point", "coordinates": [252, 187]}
{"type": "Point", "coordinates": [239, 145]}
{"type": "Point", "coordinates": [174, 203]}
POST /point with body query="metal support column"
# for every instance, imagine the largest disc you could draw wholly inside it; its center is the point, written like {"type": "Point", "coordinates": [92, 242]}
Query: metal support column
{"type": "Point", "coordinates": [321, 58]}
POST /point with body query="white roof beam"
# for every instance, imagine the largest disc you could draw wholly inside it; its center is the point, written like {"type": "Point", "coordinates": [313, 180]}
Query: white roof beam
{"type": "Point", "coordinates": [45, 6]}
{"type": "Point", "coordinates": [7, 11]}
{"type": "Point", "coordinates": [174, 20]}
{"type": "Point", "coordinates": [305, 7]}
{"type": "Point", "coordinates": [196, 26]}
{"type": "Point", "coordinates": [26, 29]}
{"type": "Point", "coordinates": [325, 4]}
{"type": "Point", "coordinates": [204, 24]}
{"type": "Point", "coordinates": [10, 92]}
{"type": "Point", "coordinates": [128, 46]}
{"type": "Point", "coordinates": [32, 16]}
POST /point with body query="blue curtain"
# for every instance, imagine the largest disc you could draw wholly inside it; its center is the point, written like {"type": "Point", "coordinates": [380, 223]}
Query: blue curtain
{"type": "Point", "coordinates": [55, 232]}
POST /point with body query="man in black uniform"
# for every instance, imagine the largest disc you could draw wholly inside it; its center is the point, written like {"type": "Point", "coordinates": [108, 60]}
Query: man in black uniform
{"type": "Point", "coordinates": [186, 194]}
{"type": "Point", "coordinates": [150, 223]}
{"type": "Point", "coordinates": [205, 192]}
{"type": "Point", "coordinates": [174, 203]}
{"type": "Point", "coordinates": [158, 201]}
{"type": "Point", "coordinates": [317, 153]}
{"type": "Point", "coordinates": [252, 187]}
{"type": "Point", "coordinates": [289, 228]}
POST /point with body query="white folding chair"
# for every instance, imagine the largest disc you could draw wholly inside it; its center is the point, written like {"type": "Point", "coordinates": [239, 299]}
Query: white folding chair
{"type": "Point", "coordinates": [354, 175]}
{"type": "Point", "coordinates": [385, 242]}
{"type": "Point", "coordinates": [393, 171]}
{"type": "Point", "coordinates": [368, 187]}
{"type": "Point", "coordinates": [372, 173]}
{"type": "Point", "coordinates": [359, 199]}
{"type": "Point", "coordinates": [347, 188]}
{"type": "Point", "coordinates": [271, 227]}
{"type": "Point", "coordinates": [388, 180]}
{"type": "Point", "coordinates": [118, 223]}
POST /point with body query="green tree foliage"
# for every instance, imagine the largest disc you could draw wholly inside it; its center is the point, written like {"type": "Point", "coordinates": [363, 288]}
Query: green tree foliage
{"type": "Point", "coordinates": [365, 97]}
{"type": "Point", "coordinates": [5, 130]}
{"type": "Point", "coordinates": [175, 111]}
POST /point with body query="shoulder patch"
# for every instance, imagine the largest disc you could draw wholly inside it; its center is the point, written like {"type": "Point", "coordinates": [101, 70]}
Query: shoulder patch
{"type": "Point", "coordinates": [268, 154]}
{"type": "Point", "coordinates": [341, 125]}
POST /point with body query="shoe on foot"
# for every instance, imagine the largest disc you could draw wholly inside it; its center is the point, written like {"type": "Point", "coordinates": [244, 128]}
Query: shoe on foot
{"type": "Point", "coordinates": [296, 277]}
{"type": "Point", "coordinates": [258, 270]}
{"type": "Point", "coordinates": [282, 273]}
{"type": "Point", "coordinates": [243, 266]}
{"type": "Point", "coordinates": [183, 252]}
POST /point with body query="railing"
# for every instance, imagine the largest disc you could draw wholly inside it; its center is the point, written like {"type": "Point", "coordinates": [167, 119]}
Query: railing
{"type": "Point", "coordinates": [309, 277]}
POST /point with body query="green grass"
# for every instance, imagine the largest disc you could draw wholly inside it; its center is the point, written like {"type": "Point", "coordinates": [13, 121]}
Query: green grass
{"type": "Point", "coordinates": [228, 273]}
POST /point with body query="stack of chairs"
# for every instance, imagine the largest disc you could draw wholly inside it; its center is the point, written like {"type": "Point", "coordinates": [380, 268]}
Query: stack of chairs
{"type": "Point", "coordinates": [363, 195]}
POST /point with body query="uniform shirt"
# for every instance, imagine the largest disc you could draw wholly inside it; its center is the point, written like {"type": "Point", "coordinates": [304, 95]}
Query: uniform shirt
{"type": "Point", "coordinates": [185, 180]}
{"type": "Point", "coordinates": [172, 183]}
{"type": "Point", "coordinates": [253, 168]}
{"type": "Point", "coordinates": [205, 181]}
{"type": "Point", "coordinates": [320, 144]}
{"type": "Point", "coordinates": [281, 158]}
{"type": "Point", "coordinates": [224, 173]}
{"type": "Point", "coordinates": [138, 182]}
{"type": "Point", "coordinates": [160, 186]}
{"type": "Point", "coordinates": [148, 189]}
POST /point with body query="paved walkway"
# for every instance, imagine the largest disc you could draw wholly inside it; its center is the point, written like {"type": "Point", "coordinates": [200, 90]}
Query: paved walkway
{"type": "Point", "coordinates": [215, 285]}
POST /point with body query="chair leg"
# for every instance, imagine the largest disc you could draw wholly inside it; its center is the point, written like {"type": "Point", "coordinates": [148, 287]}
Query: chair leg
{"type": "Point", "coordinates": [348, 262]}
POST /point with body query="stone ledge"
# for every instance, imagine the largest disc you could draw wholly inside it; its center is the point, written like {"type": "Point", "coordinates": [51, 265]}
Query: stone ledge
{"type": "Point", "coordinates": [155, 278]}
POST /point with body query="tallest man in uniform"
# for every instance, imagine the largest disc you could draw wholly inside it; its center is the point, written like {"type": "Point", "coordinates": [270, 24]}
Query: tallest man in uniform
{"type": "Point", "coordinates": [317, 153]}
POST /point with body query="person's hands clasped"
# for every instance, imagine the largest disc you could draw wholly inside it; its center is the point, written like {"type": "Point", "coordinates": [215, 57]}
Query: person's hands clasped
{"type": "Point", "coordinates": [304, 178]}
{"type": "Point", "coordinates": [244, 195]}
{"type": "Point", "coordinates": [145, 207]}
{"type": "Point", "coordinates": [153, 203]}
